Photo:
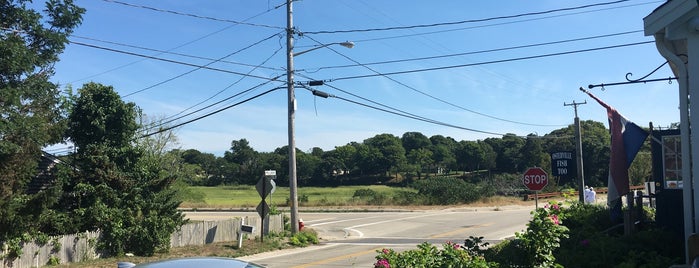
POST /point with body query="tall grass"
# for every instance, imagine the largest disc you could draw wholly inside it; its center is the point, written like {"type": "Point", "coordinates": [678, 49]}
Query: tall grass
{"type": "Point", "coordinates": [246, 196]}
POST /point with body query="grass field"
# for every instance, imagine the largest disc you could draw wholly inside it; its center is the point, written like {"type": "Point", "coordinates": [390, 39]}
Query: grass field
{"type": "Point", "coordinates": [245, 196]}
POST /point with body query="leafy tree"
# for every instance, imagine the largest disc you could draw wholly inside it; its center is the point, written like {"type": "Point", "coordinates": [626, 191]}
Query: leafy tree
{"type": "Point", "coordinates": [208, 169]}
{"type": "Point", "coordinates": [369, 160]}
{"type": "Point", "coordinates": [307, 168]}
{"type": "Point", "coordinates": [533, 154]}
{"type": "Point", "coordinates": [117, 186]}
{"type": "Point", "coordinates": [414, 140]}
{"type": "Point", "coordinates": [31, 109]}
{"type": "Point", "coordinates": [391, 152]}
{"type": "Point", "coordinates": [420, 158]}
{"type": "Point", "coordinates": [595, 149]}
{"type": "Point", "coordinates": [508, 152]}
{"type": "Point", "coordinates": [242, 154]}
{"type": "Point", "coordinates": [444, 151]}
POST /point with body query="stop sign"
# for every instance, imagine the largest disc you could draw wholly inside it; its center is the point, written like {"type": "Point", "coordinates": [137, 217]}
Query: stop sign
{"type": "Point", "coordinates": [535, 179]}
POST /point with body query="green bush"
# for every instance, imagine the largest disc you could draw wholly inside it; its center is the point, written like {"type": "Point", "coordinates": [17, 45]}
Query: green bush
{"type": "Point", "coordinates": [447, 191]}
{"type": "Point", "coordinates": [594, 243]}
{"type": "Point", "coordinates": [370, 196]}
{"type": "Point", "coordinates": [427, 255]}
{"type": "Point", "coordinates": [304, 238]}
{"type": "Point", "coordinates": [543, 235]}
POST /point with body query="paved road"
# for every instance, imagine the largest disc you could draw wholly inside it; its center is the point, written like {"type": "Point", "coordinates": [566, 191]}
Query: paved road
{"type": "Point", "coordinates": [352, 239]}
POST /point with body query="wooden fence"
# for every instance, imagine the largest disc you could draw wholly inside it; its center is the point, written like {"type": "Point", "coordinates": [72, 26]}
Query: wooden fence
{"type": "Point", "coordinates": [81, 247]}
{"type": "Point", "coordinates": [575, 193]}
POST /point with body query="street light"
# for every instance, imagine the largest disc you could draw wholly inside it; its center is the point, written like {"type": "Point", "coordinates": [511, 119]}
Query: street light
{"type": "Point", "coordinates": [346, 44]}
{"type": "Point", "coordinates": [293, 185]}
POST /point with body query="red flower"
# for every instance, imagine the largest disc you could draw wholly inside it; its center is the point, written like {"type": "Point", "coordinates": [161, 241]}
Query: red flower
{"type": "Point", "coordinates": [382, 263]}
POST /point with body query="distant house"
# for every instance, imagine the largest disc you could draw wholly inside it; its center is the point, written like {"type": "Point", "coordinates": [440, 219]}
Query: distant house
{"type": "Point", "coordinates": [46, 173]}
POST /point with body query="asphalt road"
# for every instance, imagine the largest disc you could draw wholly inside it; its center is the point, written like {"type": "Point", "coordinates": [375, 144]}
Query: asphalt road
{"type": "Point", "coordinates": [352, 239]}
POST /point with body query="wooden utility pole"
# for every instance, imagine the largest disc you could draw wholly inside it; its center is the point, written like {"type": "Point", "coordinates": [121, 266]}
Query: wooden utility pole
{"type": "Point", "coordinates": [578, 149]}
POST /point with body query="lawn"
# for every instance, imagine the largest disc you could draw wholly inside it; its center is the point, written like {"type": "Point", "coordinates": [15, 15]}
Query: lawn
{"type": "Point", "coordinates": [246, 196]}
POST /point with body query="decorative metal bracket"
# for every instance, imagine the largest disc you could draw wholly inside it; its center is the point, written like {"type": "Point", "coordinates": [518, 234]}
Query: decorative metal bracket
{"type": "Point", "coordinates": [635, 81]}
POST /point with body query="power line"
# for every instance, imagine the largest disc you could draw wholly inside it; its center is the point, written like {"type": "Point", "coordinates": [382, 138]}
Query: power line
{"type": "Point", "coordinates": [170, 61]}
{"type": "Point", "coordinates": [474, 52]}
{"type": "Point", "coordinates": [407, 115]}
{"type": "Point", "coordinates": [464, 21]}
{"type": "Point", "coordinates": [209, 114]}
{"type": "Point", "coordinates": [175, 117]}
{"type": "Point", "coordinates": [179, 46]}
{"type": "Point", "coordinates": [224, 89]}
{"type": "Point", "coordinates": [176, 54]}
{"type": "Point", "coordinates": [194, 15]}
{"type": "Point", "coordinates": [206, 65]}
{"type": "Point", "coordinates": [431, 96]}
{"type": "Point", "coordinates": [401, 113]}
{"type": "Point", "coordinates": [497, 24]}
{"type": "Point", "coordinates": [493, 61]}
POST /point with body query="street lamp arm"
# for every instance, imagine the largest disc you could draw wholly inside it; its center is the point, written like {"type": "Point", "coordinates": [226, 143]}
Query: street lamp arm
{"type": "Point", "coordinates": [346, 44]}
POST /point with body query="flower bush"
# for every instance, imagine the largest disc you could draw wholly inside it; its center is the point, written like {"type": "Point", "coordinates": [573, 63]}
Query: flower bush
{"type": "Point", "coordinates": [543, 236]}
{"type": "Point", "coordinates": [426, 255]}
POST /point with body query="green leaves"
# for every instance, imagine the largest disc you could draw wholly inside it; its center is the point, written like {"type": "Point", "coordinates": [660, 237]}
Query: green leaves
{"type": "Point", "coordinates": [451, 255]}
{"type": "Point", "coordinates": [543, 235]}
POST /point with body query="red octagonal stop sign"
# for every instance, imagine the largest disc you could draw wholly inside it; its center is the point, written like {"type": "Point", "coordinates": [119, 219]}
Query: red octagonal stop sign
{"type": "Point", "coordinates": [535, 179]}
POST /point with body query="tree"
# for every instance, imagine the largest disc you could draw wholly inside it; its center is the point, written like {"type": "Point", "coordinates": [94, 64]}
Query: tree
{"type": "Point", "coordinates": [414, 140]}
{"type": "Point", "coordinates": [242, 154]}
{"type": "Point", "coordinates": [420, 158]}
{"type": "Point", "coordinates": [390, 148]}
{"type": "Point", "coordinates": [508, 152]}
{"type": "Point", "coordinates": [470, 155]}
{"type": "Point", "coordinates": [117, 186]}
{"type": "Point", "coordinates": [31, 109]}
{"type": "Point", "coordinates": [533, 154]}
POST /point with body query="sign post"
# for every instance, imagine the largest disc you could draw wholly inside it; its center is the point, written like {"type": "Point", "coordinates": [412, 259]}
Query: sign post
{"type": "Point", "coordinates": [265, 186]}
{"type": "Point", "coordinates": [535, 179]}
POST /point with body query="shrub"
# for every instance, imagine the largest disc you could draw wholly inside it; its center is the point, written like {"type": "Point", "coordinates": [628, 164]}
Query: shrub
{"type": "Point", "coordinates": [543, 236]}
{"type": "Point", "coordinates": [447, 190]}
{"type": "Point", "coordinates": [304, 238]}
{"type": "Point", "coordinates": [427, 255]}
{"type": "Point", "coordinates": [370, 196]}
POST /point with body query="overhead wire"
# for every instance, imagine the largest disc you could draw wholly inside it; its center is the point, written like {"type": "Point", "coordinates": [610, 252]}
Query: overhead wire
{"type": "Point", "coordinates": [472, 52]}
{"type": "Point", "coordinates": [175, 53]}
{"type": "Point", "coordinates": [493, 61]}
{"type": "Point", "coordinates": [431, 96]}
{"type": "Point", "coordinates": [463, 21]}
{"type": "Point", "coordinates": [176, 47]}
{"type": "Point", "coordinates": [205, 65]}
{"type": "Point", "coordinates": [398, 112]}
{"type": "Point", "coordinates": [168, 60]}
{"type": "Point", "coordinates": [177, 115]}
{"type": "Point", "coordinates": [194, 15]}
{"type": "Point", "coordinates": [208, 114]}
{"type": "Point", "coordinates": [498, 24]}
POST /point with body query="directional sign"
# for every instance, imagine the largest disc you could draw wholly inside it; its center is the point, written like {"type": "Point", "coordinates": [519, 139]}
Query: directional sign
{"type": "Point", "coordinates": [262, 209]}
{"type": "Point", "coordinates": [264, 186]}
{"type": "Point", "coordinates": [535, 179]}
{"type": "Point", "coordinates": [274, 186]}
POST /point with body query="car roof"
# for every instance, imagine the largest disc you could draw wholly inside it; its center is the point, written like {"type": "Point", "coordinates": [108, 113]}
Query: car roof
{"type": "Point", "coordinates": [208, 262]}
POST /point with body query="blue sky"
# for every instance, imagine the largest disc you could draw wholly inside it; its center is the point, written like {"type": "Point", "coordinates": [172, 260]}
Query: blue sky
{"type": "Point", "coordinates": [489, 92]}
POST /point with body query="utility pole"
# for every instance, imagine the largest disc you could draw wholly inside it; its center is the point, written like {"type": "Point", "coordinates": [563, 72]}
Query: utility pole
{"type": "Point", "coordinates": [578, 149]}
{"type": "Point", "coordinates": [293, 195]}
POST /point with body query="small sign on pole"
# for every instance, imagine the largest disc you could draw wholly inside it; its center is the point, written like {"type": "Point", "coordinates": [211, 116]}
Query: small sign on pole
{"type": "Point", "coordinates": [244, 229]}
